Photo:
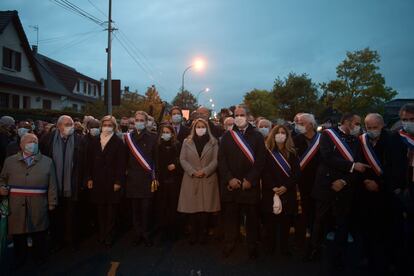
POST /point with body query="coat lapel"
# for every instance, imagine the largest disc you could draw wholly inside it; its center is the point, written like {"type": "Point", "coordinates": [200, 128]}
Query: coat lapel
{"type": "Point", "coordinates": [206, 149]}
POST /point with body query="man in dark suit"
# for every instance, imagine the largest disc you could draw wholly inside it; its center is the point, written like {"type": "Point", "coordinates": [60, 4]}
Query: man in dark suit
{"type": "Point", "coordinates": [335, 184]}
{"type": "Point", "coordinates": [65, 148]}
{"type": "Point", "coordinates": [181, 130]}
{"type": "Point", "coordinates": [307, 148]}
{"type": "Point", "coordinates": [239, 181]}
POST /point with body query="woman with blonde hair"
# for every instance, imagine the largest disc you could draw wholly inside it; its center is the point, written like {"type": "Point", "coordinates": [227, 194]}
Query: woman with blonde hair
{"type": "Point", "coordinates": [199, 194]}
{"type": "Point", "coordinates": [105, 176]}
{"type": "Point", "coordinates": [279, 188]}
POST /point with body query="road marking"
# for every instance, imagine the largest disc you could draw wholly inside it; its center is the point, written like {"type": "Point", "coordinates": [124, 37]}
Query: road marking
{"type": "Point", "coordinates": [113, 269]}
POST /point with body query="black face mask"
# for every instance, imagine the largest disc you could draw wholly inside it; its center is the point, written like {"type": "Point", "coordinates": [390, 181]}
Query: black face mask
{"type": "Point", "coordinates": [124, 128]}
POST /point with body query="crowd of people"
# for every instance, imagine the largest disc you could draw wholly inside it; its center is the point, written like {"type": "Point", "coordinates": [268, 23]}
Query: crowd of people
{"type": "Point", "coordinates": [285, 185]}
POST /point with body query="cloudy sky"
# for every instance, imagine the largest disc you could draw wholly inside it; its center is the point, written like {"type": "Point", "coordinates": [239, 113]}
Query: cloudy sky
{"type": "Point", "coordinates": [246, 43]}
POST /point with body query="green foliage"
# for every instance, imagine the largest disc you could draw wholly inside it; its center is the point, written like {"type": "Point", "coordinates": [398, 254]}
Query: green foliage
{"type": "Point", "coordinates": [359, 86]}
{"type": "Point", "coordinates": [261, 103]}
{"type": "Point", "coordinates": [185, 100]}
{"type": "Point", "coordinates": [294, 94]}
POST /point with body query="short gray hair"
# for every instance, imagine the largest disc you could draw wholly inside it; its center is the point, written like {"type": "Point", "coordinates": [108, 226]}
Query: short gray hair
{"type": "Point", "coordinates": [310, 118]}
{"type": "Point", "coordinates": [63, 117]}
{"type": "Point", "coordinates": [377, 116]}
{"type": "Point", "coordinates": [264, 121]}
{"type": "Point", "coordinates": [143, 113]}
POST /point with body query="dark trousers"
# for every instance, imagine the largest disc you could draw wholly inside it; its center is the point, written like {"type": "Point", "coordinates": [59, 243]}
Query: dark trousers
{"type": "Point", "coordinates": [141, 215]}
{"type": "Point", "coordinates": [106, 219]}
{"type": "Point", "coordinates": [199, 225]}
{"type": "Point", "coordinates": [38, 247]}
{"type": "Point", "coordinates": [303, 221]}
{"type": "Point", "coordinates": [276, 228]}
{"type": "Point", "coordinates": [63, 223]}
{"type": "Point", "coordinates": [166, 205]}
{"type": "Point", "coordinates": [323, 212]}
{"type": "Point", "coordinates": [232, 214]}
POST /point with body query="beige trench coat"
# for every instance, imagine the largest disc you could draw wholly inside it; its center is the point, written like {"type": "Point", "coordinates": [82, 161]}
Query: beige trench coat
{"type": "Point", "coordinates": [32, 191]}
{"type": "Point", "coordinates": [199, 194]}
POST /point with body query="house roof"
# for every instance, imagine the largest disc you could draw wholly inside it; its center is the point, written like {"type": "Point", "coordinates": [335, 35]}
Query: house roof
{"type": "Point", "coordinates": [51, 76]}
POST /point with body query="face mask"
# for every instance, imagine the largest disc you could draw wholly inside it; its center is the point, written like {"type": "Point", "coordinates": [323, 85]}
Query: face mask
{"type": "Point", "coordinates": [408, 127]}
{"type": "Point", "coordinates": [22, 131]}
{"type": "Point", "coordinates": [124, 128]}
{"type": "Point", "coordinates": [280, 138]}
{"type": "Point", "coordinates": [139, 125]}
{"type": "Point", "coordinates": [166, 136]}
{"type": "Point", "coordinates": [264, 131]}
{"type": "Point", "coordinates": [355, 131]}
{"type": "Point", "coordinates": [68, 131]}
{"type": "Point", "coordinates": [33, 127]}
{"type": "Point", "coordinates": [373, 133]}
{"type": "Point", "coordinates": [176, 119]}
{"type": "Point", "coordinates": [31, 148]}
{"type": "Point", "coordinates": [107, 130]}
{"type": "Point", "coordinates": [201, 131]}
{"type": "Point", "coordinates": [240, 121]}
{"type": "Point", "coordinates": [300, 129]}
{"type": "Point", "coordinates": [94, 131]}
{"type": "Point", "coordinates": [150, 124]}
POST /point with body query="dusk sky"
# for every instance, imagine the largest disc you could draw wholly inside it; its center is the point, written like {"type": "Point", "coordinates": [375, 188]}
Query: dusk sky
{"type": "Point", "coordinates": [246, 44]}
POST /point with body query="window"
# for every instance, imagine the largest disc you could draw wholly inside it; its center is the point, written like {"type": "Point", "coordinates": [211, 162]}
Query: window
{"type": "Point", "coordinates": [84, 87]}
{"type": "Point", "coordinates": [16, 101]}
{"type": "Point", "coordinates": [26, 102]}
{"type": "Point", "coordinates": [89, 89]}
{"type": "Point", "coordinates": [75, 107]}
{"type": "Point", "coordinates": [4, 100]}
{"type": "Point", "coordinates": [47, 104]}
{"type": "Point", "coordinates": [12, 60]}
{"type": "Point", "coordinates": [78, 86]}
{"type": "Point", "coordinates": [83, 108]}
{"type": "Point", "coordinates": [94, 90]}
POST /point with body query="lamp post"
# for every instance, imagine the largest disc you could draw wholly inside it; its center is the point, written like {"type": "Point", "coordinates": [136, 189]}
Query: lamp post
{"type": "Point", "coordinates": [204, 90]}
{"type": "Point", "coordinates": [198, 64]}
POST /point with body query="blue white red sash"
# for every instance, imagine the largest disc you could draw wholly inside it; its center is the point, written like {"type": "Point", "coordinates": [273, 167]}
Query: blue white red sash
{"type": "Point", "coordinates": [342, 146]}
{"type": "Point", "coordinates": [138, 154]}
{"type": "Point", "coordinates": [407, 138]}
{"type": "Point", "coordinates": [243, 145]}
{"type": "Point", "coordinates": [281, 162]}
{"type": "Point", "coordinates": [310, 151]}
{"type": "Point", "coordinates": [370, 154]}
{"type": "Point", "coordinates": [28, 190]}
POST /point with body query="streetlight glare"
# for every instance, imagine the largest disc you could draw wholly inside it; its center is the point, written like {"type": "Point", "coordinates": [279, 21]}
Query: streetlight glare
{"type": "Point", "coordinates": [199, 64]}
{"type": "Point", "coordinates": [207, 89]}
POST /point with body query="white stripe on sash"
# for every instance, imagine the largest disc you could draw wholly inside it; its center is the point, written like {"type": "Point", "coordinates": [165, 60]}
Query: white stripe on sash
{"type": "Point", "coordinates": [136, 152]}
{"type": "Point", "coordinates": [310, 151]}
{"type": "Point", "coordinates": [341, 145]}
{"type": "Point", "coordinates": [282, 163]}
{"type": "Point", "coordinates": [242, 144]}
{"type": "Point", "coordinates": [408, 139]}
{"type": "Point", "coordinates": [370, 154]}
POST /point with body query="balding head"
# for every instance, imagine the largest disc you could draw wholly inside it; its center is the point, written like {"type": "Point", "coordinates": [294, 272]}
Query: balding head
{"type": "Point", "coordinates": [65, 125]}
{"type": "Point", "coordinates": [374, 123]}
{"type": "Point", "coordinates": [27, 139]}
{"type": "Point", "coordinates": [203, 113]}
{"type": "Point", "coordinates": [374, 118]}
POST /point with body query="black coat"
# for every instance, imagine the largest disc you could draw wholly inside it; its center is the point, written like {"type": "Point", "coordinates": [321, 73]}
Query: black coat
{"type": "Point", "coordinates": [169, 153]}
{"type": "Point", "coordinates": [234, 164]}
{"type": "Point", "coordinates": [139, 180]}
{"type": "Point", "coordinates": [333, 167]}
{"type": "Point", "coordinates": [106, 168]}
{"type": "Point", "coordinates": [308, 174]}
{"type": "Point", "coordinates": [78, 168]}
{"type": "Point", "coordinates": [182, 133]}
{"type": "Point", "coordinates": [273, 177]}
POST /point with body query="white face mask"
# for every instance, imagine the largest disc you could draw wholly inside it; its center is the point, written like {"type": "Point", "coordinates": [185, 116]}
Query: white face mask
{"type": "Point", "coordinates": [240, 121]}
{"type": "Point", "coordinates": [280, 138]}
{"type": "Point", "coordinates": [300, 129]}
{"type": "Point", "coordinates": [176, 118]}
{"type": "Point", "coordinates": [166, 136]}
{"type": "Point", "coordinates": [140, 125]}
{"type": "Point", "coordinates": [94, 131]}
{"type": "Point", "coordinates": [31, 148]}
{"type": "Point", "coordinates": [22, 131]}
{"type": "Point", "coordinates": [373, 133]}
{"type": "Point", "coordinates": [408, 127]}
{"type": "Point", "coordinates": [201, 131]}
{"type": "Point", "coordinates": [355, 131]}
{"type": "Point", "coordinates": [68, 130]}
{"type": "Point", "coordinates": [107, 130]}
{"type": "Point", "coordinates": [264, 131]}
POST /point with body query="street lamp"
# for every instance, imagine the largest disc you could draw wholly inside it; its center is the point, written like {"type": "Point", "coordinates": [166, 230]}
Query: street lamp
{"type": "Point", "coordinates": [198, 64]}
{"type": "Point", "coordinates": [204, 90]}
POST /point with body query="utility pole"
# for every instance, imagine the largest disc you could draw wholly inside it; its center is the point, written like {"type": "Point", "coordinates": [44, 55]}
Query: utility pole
{"type": "Point", "coordinates": [36, 28]}
{"type": "Point", "coordinates": [109, 61]}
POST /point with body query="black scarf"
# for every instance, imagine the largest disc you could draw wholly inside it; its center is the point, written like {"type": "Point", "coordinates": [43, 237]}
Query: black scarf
{"type": "Point", "coordinates": [200, 142]}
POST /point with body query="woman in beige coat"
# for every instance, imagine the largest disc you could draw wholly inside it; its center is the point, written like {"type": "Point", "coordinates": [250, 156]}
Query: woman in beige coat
{"type": "Point", "coordinates": [199, 194]}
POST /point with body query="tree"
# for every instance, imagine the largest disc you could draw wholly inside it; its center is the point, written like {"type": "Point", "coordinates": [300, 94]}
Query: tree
{"type": "Point", "coordinates": [294, 94]}
{"type": "Point", "coordinates": [130, 103]}
{"type": "Point", "coordinates": [261, 103]}
{"type": "Point", "coordinates": [153, 103]}
{"type": "Point", "coordinates": [359, 86]}
{"type": "Point", "coordinates": [96, 109]}
{"type": "Point", "coordinates": [185, 100]}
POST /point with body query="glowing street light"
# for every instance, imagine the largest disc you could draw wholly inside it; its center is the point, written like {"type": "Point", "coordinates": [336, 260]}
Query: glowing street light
{"type": "Point", "coordinates": [198, 64]}
{"type": "Point", "coordinates": [204, 90]}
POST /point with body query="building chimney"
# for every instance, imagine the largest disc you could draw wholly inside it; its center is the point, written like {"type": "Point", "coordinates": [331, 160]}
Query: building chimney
{"type": "Point", "coordinates": [34, 49]}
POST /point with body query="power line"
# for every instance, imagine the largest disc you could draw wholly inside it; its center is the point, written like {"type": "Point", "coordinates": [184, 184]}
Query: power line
{"type": "Point", "coordinates": [67, 5]}
{"type": "Point", "coordinates": [75, 42]}
{"type": "Point", "coordinates": [98, 9]}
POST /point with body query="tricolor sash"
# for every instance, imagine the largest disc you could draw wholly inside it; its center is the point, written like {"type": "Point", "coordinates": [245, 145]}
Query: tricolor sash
{"type": "Point", "coordinates": [407, 138]}
{"type": "Point", "coordinates": [342, 146]}
{"type": "Point", "coordinates": [138, 154]}
{"type": "Point", "coordinates": [370, 154]}
{"type": "Point", "coordinates": [242, 144]}
{"type": "Point", "coordinates": [281, 162]}
{"type": "Point", "coordinates": [310, 151]}
{"type": "Point", "coordinates": [16, 190]}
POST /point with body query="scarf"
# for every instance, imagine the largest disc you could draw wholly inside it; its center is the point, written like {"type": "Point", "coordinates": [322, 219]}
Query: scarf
{"type": "Point", "coordinates": [200, 142]}
{"type": "Point", "coordinates": [63, 158]}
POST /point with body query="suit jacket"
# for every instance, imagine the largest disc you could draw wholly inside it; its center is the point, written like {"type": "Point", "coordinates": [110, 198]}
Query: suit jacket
{"type": "Point", "coordinates": [234, 164]}
{"type": "Point", "coordinates": [334, 166]}
{"type": "Point", "coordinates": [106, 168]}
{"type": "Point", "coordinates": [182, 133]}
